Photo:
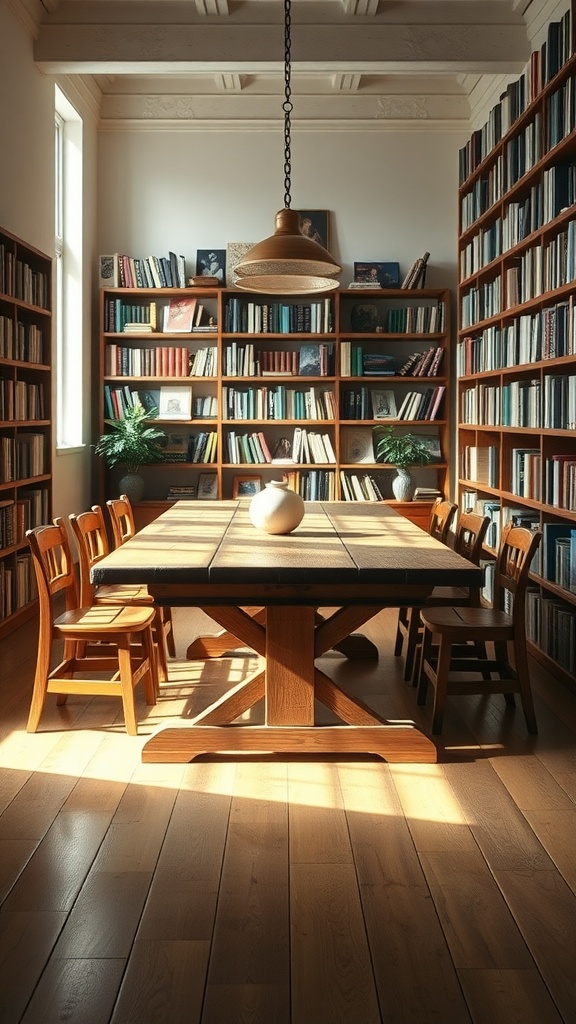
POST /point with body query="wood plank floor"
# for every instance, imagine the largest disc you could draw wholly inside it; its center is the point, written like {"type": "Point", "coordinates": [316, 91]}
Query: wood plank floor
{"type": "Point", "coordinates": [279, 891]}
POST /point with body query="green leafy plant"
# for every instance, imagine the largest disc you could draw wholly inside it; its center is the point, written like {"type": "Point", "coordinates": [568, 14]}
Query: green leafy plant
{"type": "Point", "coordinates": [131, 441]}
{"type": "Point", "coordinates": [401, 450]}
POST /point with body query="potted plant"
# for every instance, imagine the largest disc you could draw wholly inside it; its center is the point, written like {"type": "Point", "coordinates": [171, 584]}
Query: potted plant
{"type": "Point", "coordinates": [401, 451]}
{"type": "Point", "coordinates": [131, 442]}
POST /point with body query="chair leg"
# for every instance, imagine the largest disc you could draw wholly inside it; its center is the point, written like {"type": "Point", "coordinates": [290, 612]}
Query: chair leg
{"type": "Point", "coordinates": [170, 643]}
{"type": "Point", "coordinates": [40, 686]}
{"type": "Point", "coordinates": [523, 675]}
{"type": "Point", "coordinates": [414, 625]}
{"type": "Point", "coordinates": [151, 678]}
{"type": "Point", "coordinates": [127, 685]}
{"type": "Point", "coordinates": [161, 646]}
{"type": "Point", "coordinates": [441, 683]}
{"type": "Point", "coordinates": [402, 621]}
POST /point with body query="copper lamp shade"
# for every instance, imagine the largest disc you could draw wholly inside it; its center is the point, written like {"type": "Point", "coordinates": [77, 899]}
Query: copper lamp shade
{"type": "Point", "coordinates": [287, 262]}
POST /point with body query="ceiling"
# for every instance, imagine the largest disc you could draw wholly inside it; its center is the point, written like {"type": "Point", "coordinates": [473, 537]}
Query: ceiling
{"type": "Point", "coordinates": [219, 63]}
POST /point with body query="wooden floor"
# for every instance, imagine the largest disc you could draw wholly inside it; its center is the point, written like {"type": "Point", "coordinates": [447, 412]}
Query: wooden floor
{"type": "Point", "coordinates": [278, 891]}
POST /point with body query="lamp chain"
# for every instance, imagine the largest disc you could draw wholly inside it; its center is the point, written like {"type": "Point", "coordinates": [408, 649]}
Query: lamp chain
{"type": "Point", "coordinates": [287, 105]}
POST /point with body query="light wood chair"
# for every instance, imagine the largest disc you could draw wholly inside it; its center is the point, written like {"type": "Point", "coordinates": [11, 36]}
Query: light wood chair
{"type": "Point", "coordinates": [123, 528]}
{"type": "Point", "coordinates": [96, 639]}
{"type": "Point", "coordinates": [441, 518]}
{"type": "Point", "coordinates": [469, 538]}
{"type": "Point", "coordinates": [455, 628]}
{"type": "Point", "coordinates": [89, 530]}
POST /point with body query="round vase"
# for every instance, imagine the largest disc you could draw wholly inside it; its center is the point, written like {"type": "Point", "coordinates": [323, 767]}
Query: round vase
{"type": "Point", "coordinates": [276, 509]}
{"type": "Point", "coordinates": [132, 485]}
{"type": "Point", "coordinates": [403, 485]}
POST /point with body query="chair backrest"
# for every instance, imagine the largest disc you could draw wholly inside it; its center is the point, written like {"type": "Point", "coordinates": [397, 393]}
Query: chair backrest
{"type": "Point", "coordinates": [470, 534]}
{"type": "Point", "coordinates": [517, 548]}
{"type": "Point", "coordinates": [89, 531]}
{"type": "Point", "coordinates": [54, 567]}
{"type": "Point", "coordinates": [122, 519]}
{"type": "Point", "coordinates": [441, 518]}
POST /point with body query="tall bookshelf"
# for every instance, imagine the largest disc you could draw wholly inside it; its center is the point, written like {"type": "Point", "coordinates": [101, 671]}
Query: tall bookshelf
{"type": "Point", "coordinates": [25, 419]}
{"type": "Point", "coordinates": [262, 372]}
{"type": "Point", "coordinates": [516, 351]}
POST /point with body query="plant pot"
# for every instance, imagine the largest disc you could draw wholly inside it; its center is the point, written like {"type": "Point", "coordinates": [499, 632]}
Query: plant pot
{"type": "Point", "coordinates": [132, 485]}
{"type": "Point", "coordinates": [403, 485]}
{"type": "Point", "coordinates": [276, 509]}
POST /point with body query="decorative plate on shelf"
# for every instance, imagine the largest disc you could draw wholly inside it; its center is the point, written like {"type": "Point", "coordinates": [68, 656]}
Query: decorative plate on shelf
{"type": "Point", "coordinates": [364, 317]}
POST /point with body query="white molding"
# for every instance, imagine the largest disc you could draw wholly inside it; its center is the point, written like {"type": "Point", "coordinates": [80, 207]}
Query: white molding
{"type": "Point", "coordinates": [233, 126]}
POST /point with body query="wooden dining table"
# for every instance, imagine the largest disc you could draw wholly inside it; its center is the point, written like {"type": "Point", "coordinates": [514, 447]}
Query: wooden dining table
{"type": "Point", "coordinates": [353, 559]}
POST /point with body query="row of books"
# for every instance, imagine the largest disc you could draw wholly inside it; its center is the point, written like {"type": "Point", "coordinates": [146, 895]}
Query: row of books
{"type": "Point", "coordinates": [248, 317]}
{"type": "Point", "coordinates": [540, 69]}
{"type": "Point", "coordinates": [359, 487]}
{"type": "Point", "coordinates": [277, 403]}
{"type": "Point", "coordinates": [426, 318]}
{"type": "Point", "coordinates": [22, 457]}
{"type": "Point", "coordinates": [21, 281]}
{"type": "Point", "coordinates": [526, 477]}
{"type": "Point", "coordinates": [313, 484]}
{"type": "Point", "coordinates": [480, 462]}
{"type": "Point", "coordinates": [120, 271]}
{"type": "Point", "coordinates": [416, 276]}
{"type": "Point", "coordinates": [542, 268]}
{"type": "Point", "coordinates": [551, 624]}
{"type": "Point", "coordinates": [316, 360]}
{"type": "Point", "coordinates": [30, 509]}
{"type": "Point", "coordinates": [17, 583]}
{"type": "Point", "coordinates": [551, 480]}
{"type": "Point", "coordinates": [307, 446]}
{"type": "Point", "coordinates": [23, 342]}
{"type": "Point", "coordinates": [367, 404]}
{"type": "Point", "coordinates": [422, 405]}
{"type": "Point", "coordinates": [559, 554]}
{"type": "Point", "coordinates": [560, 112]}
{"type": "Point", "coordinates": [523, 403]}
{"type": "Point", "coordinates": [560, 481]}
{"type": "Point", "coordinates": [159, 361]}
{"type": "Point", "coordinates": [481, 405]}
{"type": "Point", "coordinates": [20, 400]}
{"type": "Point", "coordinates": [547, 334]}
{"type": "Point", "coordinates": [480, 302]}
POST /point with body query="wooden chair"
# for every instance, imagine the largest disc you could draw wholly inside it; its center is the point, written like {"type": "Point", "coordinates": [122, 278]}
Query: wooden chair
{"type": "Point", "coordinates": [468, 541]}
{"type": "Point", "coordinates": [441, 519]}
{"type": "Point", "coordinates": [506, 630]}
{"type": "Point", "coordinates": [123, 528]}
{"type": "Point", "coordinates": [91, 538]}
{"type": "Point", "coordinates": [96, 639]}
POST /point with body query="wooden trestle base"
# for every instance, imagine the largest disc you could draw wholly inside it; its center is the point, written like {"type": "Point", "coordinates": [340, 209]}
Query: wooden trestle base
{"type": "Point", "coordinates": [400, 743]}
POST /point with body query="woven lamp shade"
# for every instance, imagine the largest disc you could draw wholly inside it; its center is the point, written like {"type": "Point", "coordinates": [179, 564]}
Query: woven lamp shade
{"type": "Point", "coordinates": [287, 262]}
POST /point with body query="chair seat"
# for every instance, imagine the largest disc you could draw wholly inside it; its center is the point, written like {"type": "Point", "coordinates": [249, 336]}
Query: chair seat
{"type": "Point", "coordinates": [467, 623]}
{"type": "Point", "coordinates": [106, 620]}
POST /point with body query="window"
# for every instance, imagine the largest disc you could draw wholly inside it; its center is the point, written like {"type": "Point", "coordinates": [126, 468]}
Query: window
{"type": "Point", "coordinates": [68, 267]}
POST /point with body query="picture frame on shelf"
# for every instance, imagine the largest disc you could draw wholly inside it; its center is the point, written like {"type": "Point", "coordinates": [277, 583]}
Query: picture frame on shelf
{"type": "Point", "coordinates": [179, 315]}
{"type": "Point", "coordinates": [357, 446]}
{"type": "Point", "coordinates": [207, 487]}
{"type": "Point", "coordinates": [384, 405]}
{"type": "Point", "coordinates": [315, 224]}
{"type": "Point", "coordinates": [175, 403]}
{"type": "Point", "coordinates": [432, 442]}
{"type": "Point", "coordinates": [246, 486]}
{"type": "Point", "coordinates": [149, 399]}
{"type": "Point", "coordinates": [211, 263]}
{"type": "Point", "coordinates": [379, 274]}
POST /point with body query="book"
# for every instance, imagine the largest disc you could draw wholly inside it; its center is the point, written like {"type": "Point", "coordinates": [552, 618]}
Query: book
{"type": "Point", "coordinates": [109, 271]}
{"type": "Point", "coordinates": [384, 405]}
{"type": "Point", "coordinates": [309, 361]}
{"type": "Point", "coordinates": [179, 315]}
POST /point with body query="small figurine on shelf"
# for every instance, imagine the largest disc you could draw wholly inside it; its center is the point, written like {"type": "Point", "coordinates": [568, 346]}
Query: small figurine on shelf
{"type": "Point", "coordinates": [283, 451]}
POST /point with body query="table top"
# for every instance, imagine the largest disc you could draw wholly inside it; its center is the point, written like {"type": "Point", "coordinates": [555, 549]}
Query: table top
{"type": "Point", "coordinates": [336, 542]}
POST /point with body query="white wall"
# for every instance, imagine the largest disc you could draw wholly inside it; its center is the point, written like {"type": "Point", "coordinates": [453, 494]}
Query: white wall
{"type": "Point", "coordinates": [391, 194]}
{"type": "Point", "coordinates": [27, 205]}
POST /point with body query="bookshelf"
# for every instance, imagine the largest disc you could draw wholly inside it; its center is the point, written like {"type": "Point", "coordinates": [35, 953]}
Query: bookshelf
{"type": "Point", "coordinates": [25, 419]}
{"type": "Point", "coordinates": [516, 348]}
{"type": "Point", "coordinates": [302, 383]}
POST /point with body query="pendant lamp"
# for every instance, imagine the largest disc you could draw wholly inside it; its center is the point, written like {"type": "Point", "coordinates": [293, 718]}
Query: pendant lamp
{"type": "Point", "coordinates": [287, 262]}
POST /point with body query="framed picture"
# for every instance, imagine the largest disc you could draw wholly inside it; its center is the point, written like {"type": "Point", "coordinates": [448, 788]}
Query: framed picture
{"type": "Point", "coordinates": [381, 275]}
{"type": "Point", "coordinates": [315, 224]}
{"type": "Point", "coordinates": [211, 263]}
{"type": "Point", "coordinates": [175, 403]}
{"type": "Point", "coordinates": [384, 405]}
{"type": "Point", "coordinates": [150, 400]}
{"type": "Point", "coordinates": [432, 442]}
{"type": "Point", "coordinates": [207, 487]}
{"type": "Point", "coordinates": [246, 486]}
{"type": "Point", "coordinates": [358, 446]}
{"type": "Point", "coordinates": [234, 253]}
{"type": "Point", "coordinates": [179, 315]}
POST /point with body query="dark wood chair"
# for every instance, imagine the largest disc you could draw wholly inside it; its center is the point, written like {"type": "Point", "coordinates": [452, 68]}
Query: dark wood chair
{"type": "Point", "coordinates": [469, 538]}
{"type": "Point", "coordinates": [114, 640]}
{"type": "Point", "coordinates": [123, 528]}
{"type": "Point", "coordinates": [441, 518]}
{"type": "Point", "coordinates": [502, 625]}
{"type": "Point", "coordinates": [89, 530]}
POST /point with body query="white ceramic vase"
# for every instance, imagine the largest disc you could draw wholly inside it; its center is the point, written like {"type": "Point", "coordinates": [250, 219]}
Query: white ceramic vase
{"type": "Point", "coordinates": [403, 485]}
{"type": "Point", "coordinates": [276, 509]}
{"type": "Point", "coordinates": [132, 485]}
